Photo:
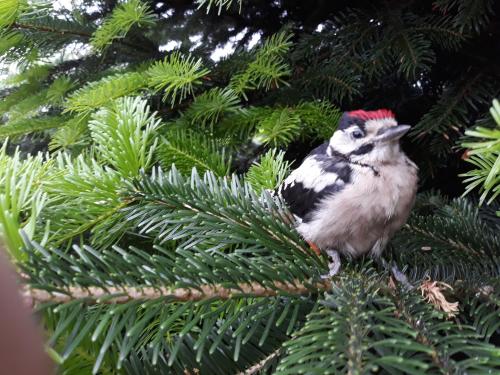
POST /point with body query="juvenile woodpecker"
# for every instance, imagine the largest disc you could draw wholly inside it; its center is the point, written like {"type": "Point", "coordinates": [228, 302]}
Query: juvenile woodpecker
{"type": "Point", "coordinates": [352, 193]}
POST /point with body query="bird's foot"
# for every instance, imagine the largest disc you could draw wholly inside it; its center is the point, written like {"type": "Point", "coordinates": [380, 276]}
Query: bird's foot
{"type": "Point", "coordinates": [333, 264]}
{"type": "Point", "coordinates": [398, 275]}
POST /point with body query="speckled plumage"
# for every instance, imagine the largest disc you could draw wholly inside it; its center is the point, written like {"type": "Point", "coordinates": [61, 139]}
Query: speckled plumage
{"type": "Point", "coordinates": [351, 195]}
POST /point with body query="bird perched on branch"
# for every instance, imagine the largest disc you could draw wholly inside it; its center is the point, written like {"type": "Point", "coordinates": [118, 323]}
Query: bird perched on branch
{"type": "Point", "coordinates": [351, 194]}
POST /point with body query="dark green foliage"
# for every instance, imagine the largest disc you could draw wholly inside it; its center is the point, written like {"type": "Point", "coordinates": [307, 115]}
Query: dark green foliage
{"type": "Point", "coordinates": [96, 94]}
{"type": "Point", "coordinates": [450, 243]}
{"type": "Point", "coordinates": [26, 126]}
{"type": "Point", "coordinates": [187, 149]}
{"type": "Point", "coordinates": [124, 16]}
{"type": "Point", "coordinates": [225, 235]}
{"type": "Point", "coordinates": [211, 106]}
{"type": "Point", "coordinates": [485, 156]}
{"type": "Point", "coordinates": [355, 324]}
{"type": "Point", "coordinates": [217, 206]}
{"type": "Point", "coordinates": [176, 76]}
{"type": "Point", "coordinates": [150, 216]}
{"type": "Point", "coordinates": [267, 68]}
{"type": "Point", "coordinates": [269, 172]}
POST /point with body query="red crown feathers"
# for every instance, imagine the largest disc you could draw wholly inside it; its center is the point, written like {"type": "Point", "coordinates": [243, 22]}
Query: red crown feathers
{"type": "Point", "coordinates": [372, 115]}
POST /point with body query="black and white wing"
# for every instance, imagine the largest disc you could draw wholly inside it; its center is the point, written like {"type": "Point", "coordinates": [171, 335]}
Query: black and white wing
{"type": "Point", "coordinates": [319, 176]}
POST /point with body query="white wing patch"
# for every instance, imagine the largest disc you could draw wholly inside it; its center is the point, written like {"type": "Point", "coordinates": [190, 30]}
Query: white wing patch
{"type": "Point", "coordinates": [312, 176]}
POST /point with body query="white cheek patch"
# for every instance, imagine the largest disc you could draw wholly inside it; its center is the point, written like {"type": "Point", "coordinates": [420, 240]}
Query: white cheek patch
{"type": "Point", "coordinates": [342, 142]}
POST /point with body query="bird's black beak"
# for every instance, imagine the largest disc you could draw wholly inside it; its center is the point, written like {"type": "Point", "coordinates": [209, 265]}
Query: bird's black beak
{"type": "Point", "coordinates": [393, 133]}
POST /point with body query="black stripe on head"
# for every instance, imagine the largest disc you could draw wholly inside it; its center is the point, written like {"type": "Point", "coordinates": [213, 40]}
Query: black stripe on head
{"type": "Point", "coordinates": [364, 149]}
{"type": "Point", "coordinates": [347, 121]}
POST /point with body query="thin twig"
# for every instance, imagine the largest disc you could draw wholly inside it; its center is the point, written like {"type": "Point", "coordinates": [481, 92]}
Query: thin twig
{"type": "Point", "coordinates": [47, 29]}
{"type": "Point", "coordinates": [259, 366]}
{"type": "Point", "coordinates": [125, 294]}
{"type": "Point", "coordinates": [82, 34]}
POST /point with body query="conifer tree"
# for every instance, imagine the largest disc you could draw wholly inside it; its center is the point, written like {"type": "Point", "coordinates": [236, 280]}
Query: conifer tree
{"type": "Point", "coordinates": [135, 172]}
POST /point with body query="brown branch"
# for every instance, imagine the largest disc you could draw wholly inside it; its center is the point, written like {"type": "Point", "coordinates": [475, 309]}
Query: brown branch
{"type": "Point", "coordinates": [83, 34]}
{"type": "Point", "coordinates": [47, 29]}
{"type": "Point", "coordinates": [125, 294]}
{"type": "Point", "coordinates": [259, 366]}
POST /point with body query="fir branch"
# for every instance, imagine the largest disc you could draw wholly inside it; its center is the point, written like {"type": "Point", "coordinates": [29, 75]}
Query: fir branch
{"type": "Point", "coordinates": [86, 33]}
{"type": "Point", "coordinates": [99, 93]}
{"type": "Point", "coordinates": [188, 149]}
{"type": "Point", "coordinates": [33, 74]}
{"type": "Point", "coordinates": [238, 128]}
{"type": "Point", "coordinates": [177, 76]}
{"type": "Point", "coordinates": [280, 128]}
{"type": "Point", "coordinates": [453, 110]}
{"type": "Point", "coordinates": [486, 175]}
{"type": "Point", "coordinates": [469, 16]}
{"type": "Point", "coordinates": [412, 52]}
{"type": "Point", "coordinates": [48, 29]}
{"type": "Point", "coordinates": [336, 81]}
{"type": "Point", "coordinates": [257, 368]}
{"type": "Point", "coordinates": [95, 225]}
{"type": "Point", "coordinates": [9, 10]}
{"type": "Point", "coordinates": [72, 134]}
{"type": "Point", "coordinates": [319, 119]}
{"type": "Point", "coordinates": [29, 125]}
{"type": "Point", "coordinates": [9, 40]}
{"type": "Point", "coordinates": [59, 88]}
{"type": "Point", "coordinates": [442, 31]}
{"type": "Point", "coordinates": [210, 107]}
{"type": "Point", "coordinates": [123, 135]}
{"type": "Point", "coordinates": [124, 294]}
{"type": "Point", "coordinates": [92, 189]}
{"type": "Point", "coordinates": [28, 106]}
{"type": "Point", "coordinates": [485, 156]}
{"type": "Point", "coordinates": [424, 337]}
{"type": "Point", "coordinates": [21, 198]}
{"type": "Point", "coordinates": [216, 202]}
{"type": "Point", "coordinates": [18, 94]}
{"type": "Point", "coordinates": [219, 4]}
{"type": "Point", "coordinates": [268, 69]}
{"type": "Point", "coordinates": [344, 335]}
{"type": "Point", "coordinates": [483, 307]}
{"type": "Point", "coordinates": [363, 326]}
{"type": "Point", "coordinates": [199, 215]}
{"type": "Point", "coordinates": [431, 244]}
{"type": "Point", "coordinates": [436, 335]}
{"type": "Point", "coordinates": [269, 172]}
{"type": "Point", "coordinates": [117, 25]}
{"type": "Point", "coordinates": [474, 15]}
{"type": "Point", "coordinates": [236, 315]}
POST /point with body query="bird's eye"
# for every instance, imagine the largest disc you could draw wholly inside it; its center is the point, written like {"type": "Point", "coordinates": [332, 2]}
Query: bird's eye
{"type": "Point", "coordinates": [358, 134]}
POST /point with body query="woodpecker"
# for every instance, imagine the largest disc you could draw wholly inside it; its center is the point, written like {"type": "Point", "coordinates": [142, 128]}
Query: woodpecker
{"type": "Point", "coordinates": [351, 194]}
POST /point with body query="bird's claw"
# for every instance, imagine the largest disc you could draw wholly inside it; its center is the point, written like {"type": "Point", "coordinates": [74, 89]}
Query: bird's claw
{"type": "Point", "coordinates": [401, 277]}
{"type": "Point", "coordinates": [333, 265]}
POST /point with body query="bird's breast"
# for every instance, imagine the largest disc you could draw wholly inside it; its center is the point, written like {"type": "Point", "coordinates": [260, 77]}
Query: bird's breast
{"type": "Point", "coordinates": [372, 207]}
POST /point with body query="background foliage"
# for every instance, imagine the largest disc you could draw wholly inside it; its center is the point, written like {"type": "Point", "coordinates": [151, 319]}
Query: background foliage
{"type": "Point", "coordinates": [144, 229]}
